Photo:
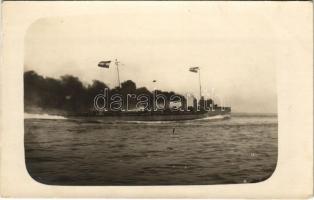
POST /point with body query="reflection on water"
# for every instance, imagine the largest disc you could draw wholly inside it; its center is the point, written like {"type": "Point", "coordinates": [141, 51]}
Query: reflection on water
{"type": "Point", "coordinates": [242, 149]}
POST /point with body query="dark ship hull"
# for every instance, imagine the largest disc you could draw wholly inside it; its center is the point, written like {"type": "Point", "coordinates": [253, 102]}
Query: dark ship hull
{"type": "Point", "coordinates": [154, 116]}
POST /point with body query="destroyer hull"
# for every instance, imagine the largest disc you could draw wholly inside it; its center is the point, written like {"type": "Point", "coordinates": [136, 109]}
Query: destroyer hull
{"type": "Point", "coordinates": [156, 116]}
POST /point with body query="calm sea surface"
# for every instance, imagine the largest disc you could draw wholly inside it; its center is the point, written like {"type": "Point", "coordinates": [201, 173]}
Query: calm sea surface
{"type": "Point", "coordinates": [242, 149]}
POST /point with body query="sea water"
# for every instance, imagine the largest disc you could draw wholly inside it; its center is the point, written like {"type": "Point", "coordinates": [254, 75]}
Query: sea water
{"type": "Point", "coordinates": [241, 149]}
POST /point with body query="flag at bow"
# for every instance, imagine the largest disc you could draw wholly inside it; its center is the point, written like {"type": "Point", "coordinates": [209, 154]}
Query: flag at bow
{"type": "Point", "coordinates": [194, 69]}
{"type": "Point", "coordinates": [104, 64]}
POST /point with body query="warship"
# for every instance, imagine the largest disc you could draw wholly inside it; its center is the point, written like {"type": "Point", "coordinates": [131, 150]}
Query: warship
{"type": "Point", "coordinates": [204, 108]}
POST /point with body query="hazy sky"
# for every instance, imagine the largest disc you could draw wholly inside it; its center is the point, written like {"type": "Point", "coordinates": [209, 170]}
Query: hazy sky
{"type": "Point", "coordinates": [234, 47]}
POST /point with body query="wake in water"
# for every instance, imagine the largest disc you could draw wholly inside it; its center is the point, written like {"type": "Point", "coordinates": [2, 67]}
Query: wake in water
{"type": "Point", "coordinates": [210, 118]}
{"type": "Point", "coordinates": [42, 116]}
{"type": "Point", "coordinates": [213, 118]}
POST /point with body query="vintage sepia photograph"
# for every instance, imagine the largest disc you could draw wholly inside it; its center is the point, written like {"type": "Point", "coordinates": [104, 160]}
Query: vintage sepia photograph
{"type": "Point", "coordinates": [151, 96]}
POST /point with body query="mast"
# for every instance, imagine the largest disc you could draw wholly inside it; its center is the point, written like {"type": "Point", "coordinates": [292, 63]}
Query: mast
{"type": "Point", "coordinates": [154, 96]}
{"type": "Point", "coordinates": [197, 70]}
{"type": "Point", "coordinates": [117, 64]}
{"type": "Point", "coordinates": [199, 81]}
